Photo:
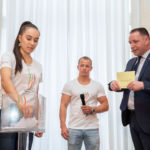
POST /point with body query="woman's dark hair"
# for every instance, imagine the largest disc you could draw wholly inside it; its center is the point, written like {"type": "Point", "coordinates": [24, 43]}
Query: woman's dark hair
{"type": "Point", "coordinates": [16, 49]}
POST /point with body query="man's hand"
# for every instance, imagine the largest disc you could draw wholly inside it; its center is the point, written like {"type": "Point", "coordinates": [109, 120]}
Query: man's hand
{"type": "Point", "coordinates": [135, 85]}
{"type": "Point", "coordinates": [65, 133]}
{"type": "Point", "coordinates": [86, 109]}
{"type": "Point", "coordinates": [114, 85]}
{"type": "Point", "coordinates": [65, 100]}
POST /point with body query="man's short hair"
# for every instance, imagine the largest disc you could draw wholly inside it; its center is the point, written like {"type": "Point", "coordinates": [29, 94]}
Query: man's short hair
{"type": "Point", "coordinates": [142, 31]}
{"type": "Point", "coordinates": [86, 58]}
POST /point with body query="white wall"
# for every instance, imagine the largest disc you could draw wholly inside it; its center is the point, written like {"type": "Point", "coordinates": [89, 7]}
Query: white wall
{"type": "Point", "coordinates": [0, 14]}
{"type": "Point", "coordinates": [145, 14]}
{"type": "Point", "coordinates": [140, 14]}
{"type": "Point", "coordinates": [135, 14]}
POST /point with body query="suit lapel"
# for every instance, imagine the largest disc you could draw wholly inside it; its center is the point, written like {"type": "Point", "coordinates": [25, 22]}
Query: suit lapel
{"type": "Point", "coordinates": [147, 62]}
{"type": "Point", "coordinates": [131, 65]}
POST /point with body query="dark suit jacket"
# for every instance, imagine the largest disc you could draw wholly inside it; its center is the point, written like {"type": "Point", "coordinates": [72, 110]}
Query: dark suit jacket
{"type": "Point", "coordinates": [141, 98]}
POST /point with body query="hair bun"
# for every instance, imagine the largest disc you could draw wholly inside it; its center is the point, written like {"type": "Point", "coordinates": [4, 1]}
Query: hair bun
{"type": "Point", "coordinates": [26, 23]}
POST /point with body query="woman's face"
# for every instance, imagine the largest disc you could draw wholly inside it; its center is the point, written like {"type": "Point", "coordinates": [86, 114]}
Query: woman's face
{"type": "Point", "coordinates": [29, 40]}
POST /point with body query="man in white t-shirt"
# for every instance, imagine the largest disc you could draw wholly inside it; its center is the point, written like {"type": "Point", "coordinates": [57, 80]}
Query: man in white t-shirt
{"type": "Point", "coordinates": [83, 122]}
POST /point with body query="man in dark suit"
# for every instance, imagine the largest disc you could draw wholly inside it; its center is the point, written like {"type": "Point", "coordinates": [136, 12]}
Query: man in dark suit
{"type": "Point", "coordinates": [135, 105]}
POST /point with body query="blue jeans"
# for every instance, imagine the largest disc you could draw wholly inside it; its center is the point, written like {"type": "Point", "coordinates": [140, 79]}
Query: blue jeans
{"type": "Point", "coordinates": [89, 136]}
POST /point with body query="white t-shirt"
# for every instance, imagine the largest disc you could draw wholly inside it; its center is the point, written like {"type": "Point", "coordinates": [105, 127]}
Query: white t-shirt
{"type": "Point", "coordinates": [26, 82]}
{"type": "Point", "coordinates": [92, 91]}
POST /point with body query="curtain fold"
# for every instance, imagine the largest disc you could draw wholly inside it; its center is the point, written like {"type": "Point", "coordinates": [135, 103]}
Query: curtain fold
{"type": "Point", "coordinates": [70, 29]}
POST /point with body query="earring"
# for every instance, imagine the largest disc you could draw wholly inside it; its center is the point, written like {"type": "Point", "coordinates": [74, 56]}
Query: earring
{"type": "Point", "coordinates": [19, 44]}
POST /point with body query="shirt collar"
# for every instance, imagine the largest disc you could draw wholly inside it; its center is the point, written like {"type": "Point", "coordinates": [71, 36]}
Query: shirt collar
{"type": "Point", "coordinates": [146, 54]}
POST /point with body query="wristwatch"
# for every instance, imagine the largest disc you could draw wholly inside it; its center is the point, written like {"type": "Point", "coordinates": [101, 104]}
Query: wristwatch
{"type": "Point", "coordinates": [93, 110]}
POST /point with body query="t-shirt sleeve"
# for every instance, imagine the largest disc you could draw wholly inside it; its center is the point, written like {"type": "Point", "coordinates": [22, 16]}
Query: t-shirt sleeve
{"type": "Point", "coordinates": [66, 89]}
{"type": "Point", "coordinates": [41, 78]}
{"type": "Point", "coordinates": [38, 70]}
{"type": "Point", "coordinates": [41, 74]}
{"type": "Point", "coordinates": [6, 60]}
{"type": "Point", "coordinates": [101, 91]}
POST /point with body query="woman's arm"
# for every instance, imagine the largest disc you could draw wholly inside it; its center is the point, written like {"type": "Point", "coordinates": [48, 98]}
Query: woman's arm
{"type": "Point", "coordinates": [37, 134]}
{"type": "Point", "coordinates": [7, 84]}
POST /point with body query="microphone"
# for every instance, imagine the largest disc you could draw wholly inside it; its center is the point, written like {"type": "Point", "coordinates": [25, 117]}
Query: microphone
{"type": "Point", "coordinates": [82, 99]}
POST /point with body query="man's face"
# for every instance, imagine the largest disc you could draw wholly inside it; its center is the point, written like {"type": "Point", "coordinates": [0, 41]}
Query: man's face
{"type": "Point", "coordinates": [138, 43]}
{"type": "Point", "coordinates": [84, 67]}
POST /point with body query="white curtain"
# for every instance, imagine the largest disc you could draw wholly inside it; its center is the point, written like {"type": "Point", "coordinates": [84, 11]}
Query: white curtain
{"type": "Point", "coordinates": [71, 29]}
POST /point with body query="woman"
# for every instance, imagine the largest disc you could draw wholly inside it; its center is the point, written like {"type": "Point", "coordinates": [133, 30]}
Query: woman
{"type": "Point", "coordinates": [20, 78]}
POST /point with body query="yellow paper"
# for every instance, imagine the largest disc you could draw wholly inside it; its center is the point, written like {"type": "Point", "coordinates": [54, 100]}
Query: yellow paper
{"type": "Point", "coordinates": [124, 78]}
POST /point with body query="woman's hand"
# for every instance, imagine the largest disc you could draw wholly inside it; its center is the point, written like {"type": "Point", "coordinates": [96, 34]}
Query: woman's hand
{"type": "Point", "coordinates": [27, 111]}
{"type": "Point", "coordinates": [38, 134]}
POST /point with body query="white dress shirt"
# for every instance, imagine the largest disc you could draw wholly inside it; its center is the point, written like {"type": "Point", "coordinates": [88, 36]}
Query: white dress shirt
{"type": "Point", "coordinates": [131, 96]}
